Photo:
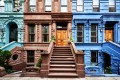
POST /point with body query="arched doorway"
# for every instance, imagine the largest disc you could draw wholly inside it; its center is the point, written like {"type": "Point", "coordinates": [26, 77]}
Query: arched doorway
{"type": "Point", "coordinates": [11, 32]}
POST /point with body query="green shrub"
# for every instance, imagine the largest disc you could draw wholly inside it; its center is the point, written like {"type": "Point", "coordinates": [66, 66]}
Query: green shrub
{"type": "Point", "coordinates": [4, 58]}
{"type": "Point", "coordinates": [108, 70]}
{"type": "Point", "coordinates": [39, 62]}
{"type": "Point", "coordinates": [52, 38]}
{"type": "Point", "coordinates": [9, 71]}
{"type": "Point", "coordinates": [71, 39]}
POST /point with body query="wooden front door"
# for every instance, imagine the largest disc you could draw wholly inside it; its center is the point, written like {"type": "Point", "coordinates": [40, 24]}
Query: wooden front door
{"type": "Point", "coordinates": [61, 38]}
{"type": "Point", "coordinates": [108, 35]}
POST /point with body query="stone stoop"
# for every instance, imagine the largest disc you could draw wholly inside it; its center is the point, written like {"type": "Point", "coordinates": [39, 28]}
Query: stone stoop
{"type": "Point", "coordinates": [62, 63]}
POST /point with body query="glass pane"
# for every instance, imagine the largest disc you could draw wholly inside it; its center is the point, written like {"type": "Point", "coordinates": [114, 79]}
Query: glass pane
{"type": "Point", "coordinates": [32, 37]}
{"type": "Point", "coordinates": [95, 2]}
{"type": "Point", "coordinates": [93, 33]}
{"type": "Point", "coordinates": [79, 28]}
{"type": "Point", "coordinates": [95, 9]}
{"type": "Point", "coordinates": [63, 9]}
{"type": "Point", "coordinates": [47, 8]}
{"type": "Point", "coordinates": [45, 29]}
{"type": "Point", "coordinates": [79, 34]}
{"type": "Point", "coordinates": [79, 39]}
{"type": "Point", "coordinates": [79, 2]}
{"type": "Point", "coordinates": [111, 2]}
{"type": "Point", "coordinates": [1, 8]}
{"type": "Point", "coordinates": [32, 2]}
{"type": "Point", "coordinates": [93, 39]}
{"type": "Point", "coordinates": [45, 38]}
{"type": "Point", "coordinates": [48, 2]}
{"type": "Point", "coordinates": [111, 9]}
{"type": "Point", "coordinates": [79, 8]}
{"type": "Point", "coordinates": [32, 29]}
{"type": "Point", "coordinates": [93, 27]}
{"type": "Point", "coordinates": [63, 2]}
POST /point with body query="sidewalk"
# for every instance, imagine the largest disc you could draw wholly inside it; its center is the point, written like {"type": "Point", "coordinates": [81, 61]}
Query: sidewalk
{"type": "Point", "coordinates": [38, 78]}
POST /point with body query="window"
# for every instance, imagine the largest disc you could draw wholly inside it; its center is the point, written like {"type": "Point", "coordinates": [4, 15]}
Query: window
{"type": "Point", "coordinates": [80, 33]}
{"type": "Point", "coordinates": [32, 5]}
{"type": "Point", "coordinates": [96, 6]}
{"type": "Point", "coordinates": [32, 33]}
{"type": "Point", "coordinates": [94, 56]}
{"type": "Point", "coordinates": [15, 57]}
{"type": "Point", "coordinates": [112, 6]}
{"type": "Point", "coordinates": [48, 5]}
{"type": "Point", "coordinates": [64, 6]}
{"type": "Point", "coordinates": [45, 33]}
{"type": "Point", "coordinates": [1, 5]}
{"type": "Point", "coordinates": [80, 5]}
{"type": "Point", "coordinates": [30, 56]}
{"type": "Point", "coordinates": [94, 33]}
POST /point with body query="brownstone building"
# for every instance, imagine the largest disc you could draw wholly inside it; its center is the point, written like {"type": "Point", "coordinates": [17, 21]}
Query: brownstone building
{"type": "Point", "coordinates": [42, 20]}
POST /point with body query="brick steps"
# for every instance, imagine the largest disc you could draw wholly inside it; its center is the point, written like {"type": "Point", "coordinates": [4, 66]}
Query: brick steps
{"type": "Point", "coordinates": [62, 63]}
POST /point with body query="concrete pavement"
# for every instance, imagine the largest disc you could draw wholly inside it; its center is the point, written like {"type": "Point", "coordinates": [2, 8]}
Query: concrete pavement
{"type": "Point", "coordinates": [38, 78]}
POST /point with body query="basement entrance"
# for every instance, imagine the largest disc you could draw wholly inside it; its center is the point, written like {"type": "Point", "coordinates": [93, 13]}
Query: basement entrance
{"type": "Point", "coordinates": [107, 60]}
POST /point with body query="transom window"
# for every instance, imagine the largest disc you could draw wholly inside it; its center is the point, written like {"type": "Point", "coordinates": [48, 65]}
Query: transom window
{"type": "Point", "coordinates": [32, 5]}
{"type": "Point", "coordinates": [94, 33]}
{"type": "Point", "coordinates": [94, 56]}
{"type": "Point", "coordinates": [80, 33]}
{"type": "Point", "coordinates": [80, 5]}
{"type": "Point", "coordinates": [64, 6]}
{"type": "Point", "coordinates": [48, 5]}
{"type": "Point", "coordinates": [32, 33]}
{"type": "Point", "coordinates": [45, 33]}
{"type": "Point", "coordinates": [96, 6]}
{"type": "Point", "coordinates": [112, 7]}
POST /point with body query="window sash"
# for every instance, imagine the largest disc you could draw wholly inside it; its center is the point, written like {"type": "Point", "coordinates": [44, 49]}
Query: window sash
{"type": "Point", "coordinates": [80, 5]}
{"type": "Point", "coordinates": [48, 5]}
{"type": "Point", "coordinates": [81, 37]}
{"type": "Point", "coordinates": [64, 6]}
{"type": "Point", "coordinates": [94, 31]}
{"type": "Point", "coordinates": [96, 6]}
{"type": "Point", "coordinates": [112, 6]}
{"type": "Point", "coordinates": [32, 5]}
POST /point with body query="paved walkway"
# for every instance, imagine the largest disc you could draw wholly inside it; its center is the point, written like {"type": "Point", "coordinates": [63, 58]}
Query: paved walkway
{"type": "Point", "coordinates": [37, 78]}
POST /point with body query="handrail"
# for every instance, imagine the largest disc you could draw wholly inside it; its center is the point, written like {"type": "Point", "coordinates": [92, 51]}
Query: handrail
{"type": "Point", "coordinates": [11, 45]}
{"type": "Point", "coordinates": [50, 47]}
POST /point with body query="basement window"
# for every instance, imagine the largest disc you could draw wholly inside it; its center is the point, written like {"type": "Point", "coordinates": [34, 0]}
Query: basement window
{"type": "Point", "coordinates": [30, 56]}
{"type": "Point", "coordinates": [94, 56]}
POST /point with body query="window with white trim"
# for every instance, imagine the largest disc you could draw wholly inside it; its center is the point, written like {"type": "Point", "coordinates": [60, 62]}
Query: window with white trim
{"type": "Point", "coordinates": [112, 7]}
{"type": "Point", "coordinates": [48, 4]}
{"type": "Point", "coordinates": [96, 6]}
{"type": "Point", "coordinates": [32, 5]}
{"type": "Point", "coordinates": [64, 7]}
{"type": "Point", "coordinates": [80, 33]}
{"type": "Point", "coordinates": [80, 5]}
{"type": "Point", "coordinates": [94, 33]}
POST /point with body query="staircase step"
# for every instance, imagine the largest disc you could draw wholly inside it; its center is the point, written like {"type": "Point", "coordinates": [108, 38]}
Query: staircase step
{"type": "Point", "coordinates": [62, 75]}
{"type": "Point", "coordinates": [62, 66]}
{"type": "Point", "coordinates": [62, 55]}
{"type": "Point", "coordinates": [63, 62]}
{"type": "Point", "coordinates": [62, 59]}
{"type": "Point", "coordinates": [61, 49]}
{"type": "Point", "coordinates": [62, 52]}
{"type": "Point", "coordinates": [62, 69]}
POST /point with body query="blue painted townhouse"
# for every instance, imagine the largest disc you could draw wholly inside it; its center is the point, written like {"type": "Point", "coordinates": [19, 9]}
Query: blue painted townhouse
{"type": "Point", "coordinates": [96, 31]}
{"type": "Point", "coordinates": [11, 23]}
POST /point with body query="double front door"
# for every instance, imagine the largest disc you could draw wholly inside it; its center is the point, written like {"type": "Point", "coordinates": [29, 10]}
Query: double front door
{"type": "Point", "coordinates": [61, 38]}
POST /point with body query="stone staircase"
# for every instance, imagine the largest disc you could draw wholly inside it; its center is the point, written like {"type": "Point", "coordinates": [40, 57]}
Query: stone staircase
{"type": "Point", "coordinates": [62, 63]}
